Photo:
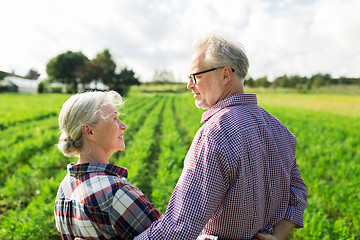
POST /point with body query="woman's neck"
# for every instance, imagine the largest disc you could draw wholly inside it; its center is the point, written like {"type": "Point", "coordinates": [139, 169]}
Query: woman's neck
{"type": "Point", "coordinates": [93, 155]}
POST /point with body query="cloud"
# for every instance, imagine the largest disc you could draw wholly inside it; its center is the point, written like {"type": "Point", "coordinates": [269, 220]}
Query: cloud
{"type": "Point", "coordinates": [280, 37]}
{"type": "Point", "coordinates": [296, 38]}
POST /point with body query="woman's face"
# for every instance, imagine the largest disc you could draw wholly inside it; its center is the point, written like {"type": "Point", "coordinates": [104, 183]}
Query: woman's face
{"type": "Point", "coordinates": [109, 132]}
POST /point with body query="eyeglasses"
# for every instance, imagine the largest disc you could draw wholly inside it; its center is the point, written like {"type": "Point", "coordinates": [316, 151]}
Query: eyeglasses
{"type": "Point", "coordinates": [193, 78]}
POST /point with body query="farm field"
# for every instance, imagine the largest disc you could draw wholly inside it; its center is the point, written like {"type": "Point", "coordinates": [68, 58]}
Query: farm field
{"type": "Point", "coordinates": [160, 130]}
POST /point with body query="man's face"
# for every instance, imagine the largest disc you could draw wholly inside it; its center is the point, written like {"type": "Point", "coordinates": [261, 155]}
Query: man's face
{"type": "Point", "coordinates": [207, 89]}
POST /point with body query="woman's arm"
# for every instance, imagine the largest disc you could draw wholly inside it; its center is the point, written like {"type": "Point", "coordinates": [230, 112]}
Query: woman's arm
{"type": "Point", "coordinates": [132, 212]}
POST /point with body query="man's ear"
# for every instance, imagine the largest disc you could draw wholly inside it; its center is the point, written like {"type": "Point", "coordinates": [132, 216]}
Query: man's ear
{"type": "Point", "coordinates": [226, 74]}
{"type": "Point", "coordinates": [87, 131]}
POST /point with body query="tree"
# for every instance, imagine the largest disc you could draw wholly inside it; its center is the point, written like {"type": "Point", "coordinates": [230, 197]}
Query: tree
{"type": "Point", "coordinates": [32, 74]}
{"type": "Point", "coordinates": [284, 82]}
{"type": "Point", "coordinates": [296, 80]}
{"type": "Point", "coordinates": [262, 82]}
{"type": "Point", "coordinates": [103, 67]}
{"type": "Point", "coordinates": [249, 82]}
{"type": "Point", "coordinates": [318, 81]}
{"type": "Point", "coordinates": [67, 68]}
{"type": "Point", "coordinates": [121, 82]}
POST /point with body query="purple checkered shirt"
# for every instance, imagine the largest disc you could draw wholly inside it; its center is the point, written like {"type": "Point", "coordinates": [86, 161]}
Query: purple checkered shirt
{"type": "Point", "coordinates": [95, 202]}
{"type": "Point", "coordinates": [240, 177]}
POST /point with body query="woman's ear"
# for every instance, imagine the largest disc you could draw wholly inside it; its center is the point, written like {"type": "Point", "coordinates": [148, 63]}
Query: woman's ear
{"type": "Point", "coordinates": [87, 131]}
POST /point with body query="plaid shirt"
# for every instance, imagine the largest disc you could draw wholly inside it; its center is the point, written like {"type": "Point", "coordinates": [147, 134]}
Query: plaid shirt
{"type": "Point", "coordinates": [240, 177]}
{"type": "Point", "coordinates": [95, 202]}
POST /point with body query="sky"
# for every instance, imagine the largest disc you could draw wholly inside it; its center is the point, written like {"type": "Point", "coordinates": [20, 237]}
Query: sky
{"type": "Point", "coordinates": [303, 37]}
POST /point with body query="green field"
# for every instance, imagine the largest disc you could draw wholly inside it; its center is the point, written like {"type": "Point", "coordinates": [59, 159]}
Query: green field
{"type": "Point", "coordinates": [161, 125]}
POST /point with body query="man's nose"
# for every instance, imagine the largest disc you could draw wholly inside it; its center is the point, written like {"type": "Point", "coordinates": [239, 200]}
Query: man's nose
{"type": "Point", "coordinates": [190, 84]}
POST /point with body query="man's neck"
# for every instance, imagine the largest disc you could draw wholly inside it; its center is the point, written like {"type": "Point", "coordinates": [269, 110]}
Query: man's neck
{"type": "Point", "coordinates": [232, 89]}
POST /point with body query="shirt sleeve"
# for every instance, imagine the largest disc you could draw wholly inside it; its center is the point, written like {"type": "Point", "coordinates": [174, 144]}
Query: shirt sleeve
{"type": "Point", "coordinates": [298, 198]}
{"type": "Point", "coordinates": [198, 193]}
{"type": "Point", "coordinates": [132, 212]}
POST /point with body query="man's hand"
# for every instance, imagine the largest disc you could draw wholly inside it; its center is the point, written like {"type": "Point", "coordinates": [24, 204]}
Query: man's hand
{"type": "Point", "coordinates": [266, 236]}
{"type": "Point", "coordinates": [281, 230]}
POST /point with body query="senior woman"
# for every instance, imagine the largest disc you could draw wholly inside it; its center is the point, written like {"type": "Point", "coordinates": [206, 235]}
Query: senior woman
{"type": "Point", "coordinates": [94, 201]}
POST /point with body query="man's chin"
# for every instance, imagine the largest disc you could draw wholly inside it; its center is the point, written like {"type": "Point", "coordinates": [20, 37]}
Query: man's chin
{"type": "Point", "coordinates": [201, 104]}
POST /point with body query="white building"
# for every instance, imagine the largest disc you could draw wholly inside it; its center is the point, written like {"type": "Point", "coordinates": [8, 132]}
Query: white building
{"type": "Point", "coordinates": [97, 85]}
{"type": "Point", "coordinates": [22, 85]}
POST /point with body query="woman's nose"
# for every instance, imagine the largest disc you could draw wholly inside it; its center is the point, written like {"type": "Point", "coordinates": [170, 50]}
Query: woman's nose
{"type": "Point", "coordinates": [123, 126]}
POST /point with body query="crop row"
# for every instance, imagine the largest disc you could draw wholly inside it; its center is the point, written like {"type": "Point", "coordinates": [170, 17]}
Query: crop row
{"type": "Point", "coordinates": [134, 115]}
{"type": "Point", "coordinates": [36, 220]}
{"type": "Point", "coordinates": [19, 189]}
{"type": "Point", "coordinates": [13, 135]}
{"type": "Point", "coordinates": [139, 157]}
{"type": "Point", "coordinates": [16, 154]}
{"type": "Point", "coordinates": [173, 148]}
{"type": "Point", "coordinates": [28, 190]}
{"type": "Point", "coordinates": [19, 109]}
{"type": "Point", "coordinates": [188, 116]}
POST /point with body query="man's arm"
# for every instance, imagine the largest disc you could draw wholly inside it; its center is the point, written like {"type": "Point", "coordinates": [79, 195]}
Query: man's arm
{"type": "Point", "coordinates": [198, 193]}
{"type": "Point", "coordinates": [298, 198]}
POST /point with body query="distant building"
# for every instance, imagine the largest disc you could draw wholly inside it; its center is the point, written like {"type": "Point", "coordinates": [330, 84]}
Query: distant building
{"type": "Point", "coordinates": [96, 85]}
{"type": "Point", "coordinates": [17, 84]}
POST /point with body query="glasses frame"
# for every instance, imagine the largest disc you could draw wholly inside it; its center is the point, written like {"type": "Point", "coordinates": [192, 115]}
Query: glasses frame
{"type": "Point", "coordinates": [192, 77]}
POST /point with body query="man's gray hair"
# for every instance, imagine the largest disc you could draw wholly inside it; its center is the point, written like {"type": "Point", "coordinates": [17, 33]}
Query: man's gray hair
{"type": "Point", "coordinates": [223, 52]}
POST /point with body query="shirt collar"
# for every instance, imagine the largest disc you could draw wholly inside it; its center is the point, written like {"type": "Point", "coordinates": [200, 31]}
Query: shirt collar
{"type": "Point", "coordinates": [237, 99]}
{"type": "Point", "coordinates": [85, 168]}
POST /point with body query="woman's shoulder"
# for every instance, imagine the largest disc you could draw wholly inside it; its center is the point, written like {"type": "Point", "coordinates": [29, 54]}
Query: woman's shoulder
{"type": "Point", "coordinates": [110, 182]}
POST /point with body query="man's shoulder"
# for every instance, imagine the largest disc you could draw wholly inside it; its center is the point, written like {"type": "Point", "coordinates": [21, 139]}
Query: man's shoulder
{"type": "Point", "coordinates": [233, 119]}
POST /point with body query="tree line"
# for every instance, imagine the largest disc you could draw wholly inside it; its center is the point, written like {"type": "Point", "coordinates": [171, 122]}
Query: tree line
{"type": "Point", "coordinates": [73, 68]}
{"type": "Point", "coordinates": [301, 83]}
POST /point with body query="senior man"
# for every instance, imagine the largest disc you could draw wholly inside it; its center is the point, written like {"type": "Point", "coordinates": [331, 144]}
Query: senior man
{"type": "Point", "coordinates": [240, 178]}
{"type": "Point", "coordinates": [240, 174]}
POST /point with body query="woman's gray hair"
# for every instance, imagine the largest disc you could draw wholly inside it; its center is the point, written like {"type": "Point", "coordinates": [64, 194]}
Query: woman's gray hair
{"type": "Point", "coordinates": [223, 52]}
{"type": "Point", "coordinates": [79, 109]}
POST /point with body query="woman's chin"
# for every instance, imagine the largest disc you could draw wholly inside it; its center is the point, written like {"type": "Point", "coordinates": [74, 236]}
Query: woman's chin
{"type": "Point", "coordinates": [122, 148]}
